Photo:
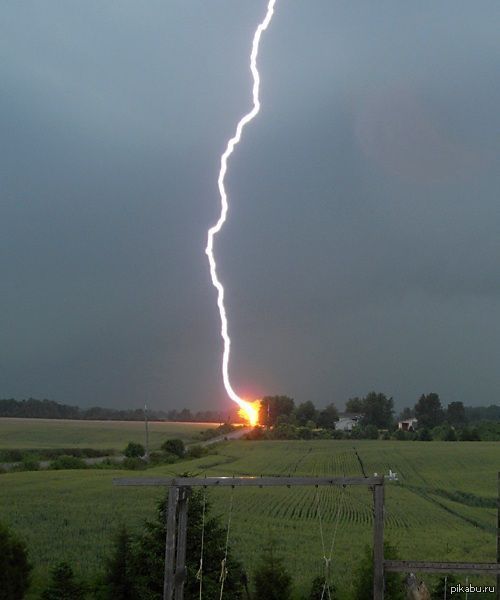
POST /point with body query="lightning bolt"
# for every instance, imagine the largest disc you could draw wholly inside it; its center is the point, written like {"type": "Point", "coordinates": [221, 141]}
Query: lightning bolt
{"type": "Point", "coordinates": [209, 250]}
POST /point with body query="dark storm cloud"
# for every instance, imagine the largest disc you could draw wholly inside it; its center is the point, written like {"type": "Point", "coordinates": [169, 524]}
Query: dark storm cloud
{"type": "Point", "coordinates": [362, 247]}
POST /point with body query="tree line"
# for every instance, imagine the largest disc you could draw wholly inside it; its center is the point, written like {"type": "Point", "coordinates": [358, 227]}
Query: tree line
{"type": "Point", "coordinates": [281, 418]}
{"type": "Point", "coordinates": [32, 408]}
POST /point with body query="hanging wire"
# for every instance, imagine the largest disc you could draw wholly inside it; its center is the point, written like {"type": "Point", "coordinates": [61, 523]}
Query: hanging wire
{"type": "Point", "coordinates": [328, 559]}
{"type": "Point", "coordinates": [199, 574]}
{"type": "Point", "coordinates": [224, 571]}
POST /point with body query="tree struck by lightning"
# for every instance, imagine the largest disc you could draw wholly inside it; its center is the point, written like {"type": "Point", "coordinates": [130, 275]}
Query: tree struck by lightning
{"type": "Point", "coordinates": [249, 409]}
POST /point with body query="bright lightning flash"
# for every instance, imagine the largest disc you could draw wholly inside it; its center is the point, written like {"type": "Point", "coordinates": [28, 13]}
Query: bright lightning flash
{"type": "Point", "coordinates": [249, 409]}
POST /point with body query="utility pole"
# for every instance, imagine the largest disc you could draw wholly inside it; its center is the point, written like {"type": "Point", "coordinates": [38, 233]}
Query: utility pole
{"type": "Point", "coordinates": [146, 425]}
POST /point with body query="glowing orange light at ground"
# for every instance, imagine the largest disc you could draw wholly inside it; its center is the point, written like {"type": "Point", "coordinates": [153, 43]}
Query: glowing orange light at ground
{"type": "Point", "coordinates": [249, 411]}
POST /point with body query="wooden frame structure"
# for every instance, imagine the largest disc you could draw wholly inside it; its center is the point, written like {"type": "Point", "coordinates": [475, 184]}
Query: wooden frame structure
{"type": "Point", "coordinates": [178, 498]}
{"type": "Point", "coordinates": [176, 528]}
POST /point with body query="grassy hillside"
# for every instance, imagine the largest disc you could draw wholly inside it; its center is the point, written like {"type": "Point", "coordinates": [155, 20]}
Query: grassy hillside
{"type": "Point", "coordinates": [443, 507]}
{"type": "Point", "coordinates": [62, 433]}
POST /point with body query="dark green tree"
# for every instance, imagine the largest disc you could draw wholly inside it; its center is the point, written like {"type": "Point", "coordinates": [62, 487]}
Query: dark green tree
{"type": "Point", "coordinates": [455, 413]}
{"type": "Point", "coordinates": [119, 577]}
{"type": "Point", "coordinates": [149, 556]}
{"type": "Point", "coordinates": [328, 416]}
{"type": "Point", "coordinates": [272, 580]}
{"type": "Point", "coordinates": [319, 590]}
{"type": "Point", "coordinates": [14, 566]}
{"type": "Point", "coordinates": [378, 410]}
{"type": "Point", "coordinates": [363, 583]}
{"type": "Point", "coordinates": [407, 413]}
{"type": "Point", "coordinates": [306, 411]}
{"type": "Point", "coordinates": [134, 450]}
{"type": "Point", "coordinates": [428, 411]}
{"type": "Point", "coordinates": [63, 585]}
{"type": "Point", "coordinates": [354, 405]}
{"type": "Point", "coordinates": [272, 407]}
{"type": "Point", "coordinates": [174, 446]}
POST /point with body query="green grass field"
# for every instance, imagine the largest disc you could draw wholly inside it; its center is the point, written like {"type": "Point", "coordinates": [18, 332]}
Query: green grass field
{"type": "Point", "coordinates": [442, 508]}
{"type": "Point", "coordinates": [54, 433]}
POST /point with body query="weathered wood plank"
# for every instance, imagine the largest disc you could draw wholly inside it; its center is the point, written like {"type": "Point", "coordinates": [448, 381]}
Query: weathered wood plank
{"type": "Point", "coordinates": [418, 566]}
{"type": "Point", "coordinates": [246, 481]}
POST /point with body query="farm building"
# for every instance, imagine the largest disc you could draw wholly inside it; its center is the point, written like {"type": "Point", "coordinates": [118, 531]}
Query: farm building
{"type": "Point", "coordinates": [408, 424]}
{"type": "Point", "coordinates": [347, 421]}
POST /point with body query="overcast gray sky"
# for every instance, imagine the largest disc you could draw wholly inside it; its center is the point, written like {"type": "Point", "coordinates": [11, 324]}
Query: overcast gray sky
{"type": "Point", "coordinates": [362, 248]}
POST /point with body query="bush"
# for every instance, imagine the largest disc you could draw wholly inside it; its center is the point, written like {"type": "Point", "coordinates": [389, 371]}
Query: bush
{"type": "Point", "coordinates": [469, 435]}
{"type": "Point", "coordinates": [134, 464]}
{"type": "Point", "coordinates": [174, 446]}
{"type": "Point", "coordinates": [371, 432]}
{"type": "Point", "coordinates": [272, 580]}
{"type": "Point", "coordinates": [450, 435]}
{"type": "Point", "coordinates": [134, 450]}
{"type": "Point", "coordinates": [67, 462]}
{"type": "Point", "coordinates": [15, 569]}
{"type": "Point", "coordinates": [319, 591]}
{"type": "Point", "coordinates": [257, 433]}
{"type": "Point", "coordinates": [63, 585]}
{"type": "Point", "coordinates": [338, 434]}
{"type": "Point", "coordinates": [196, 451]}
{"type": "Point", "coordinates": [363, 584]}
{"type": "Point", "coordinates": [399, 434]}
{"type": "Point", "coordinates": [424, 435]}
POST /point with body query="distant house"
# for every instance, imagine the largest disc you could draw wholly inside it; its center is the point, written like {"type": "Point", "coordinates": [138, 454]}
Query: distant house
{"type": "Point", "coordinates": [347, 421]}
{"type": "Point", "coordinates": [408, 424]}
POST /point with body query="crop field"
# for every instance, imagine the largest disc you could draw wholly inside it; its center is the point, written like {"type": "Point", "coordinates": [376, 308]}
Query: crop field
{"type": "Point", "coordinates": [442, 508]}
{"type": "Point", "coordinates": [65, 433]}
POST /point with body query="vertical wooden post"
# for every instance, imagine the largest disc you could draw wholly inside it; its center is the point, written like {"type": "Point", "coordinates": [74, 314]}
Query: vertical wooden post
{"type": "Point", "coordinates": [180, 566]}
{"type": "Point", "coordinates": [168, 581]}
{"type": "Point", "coordinates": [378, 543]}
{"type": "Point", "coordinates": [498, 538]}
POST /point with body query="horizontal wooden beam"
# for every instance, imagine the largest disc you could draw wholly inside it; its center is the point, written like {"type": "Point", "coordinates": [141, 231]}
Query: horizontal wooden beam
{"type": "Point", "coordinates": [417, 566]}
{"type": "Point", "coordinates": [247, 481]}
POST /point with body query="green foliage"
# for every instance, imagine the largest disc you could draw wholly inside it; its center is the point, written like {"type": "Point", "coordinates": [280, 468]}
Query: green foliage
{"type": "Point", "coordinates": [196, 451]}
{"type": "Point", "coordinates": [319, 591]}
{"type": "Point", "coordinates": [371, 432]}
{"type": "Point", "coordinates": [174, 446]}
{"type": "Point", "coordinates": [15, 569]}
{"type": "Point", "coordinates": [272, 580]}
{"type": "Point", "coordinates": [271, 407]}
{"type": "Point", "coordinates": [424, 435]}
{"type": "Point", "coordinates": [428, 411]}
{"type": "Point", "coordinates": [306, 411]}
{"type": "Point", "coordinates": [450, 435]}
{"type": "Point", "coordinates": [134, 464]}
{"type": "Point", "coordinates": [469, 435]}
{"type": "Point", "coordinates": [63, 585]}
{"type": "Point", "coordinates": [149, 555]}
{"type": "Point", "coordinates": [134, 450]}
{"type": "Point", "coordinates": [354, 405]}
{"type": "Point", "coordinates": [67, 462]}
{"type": "Point", "coordinates": [210, 434]}
{"type": "Point", "coordinates": [489, 432]}
{"type": "Point", "coordinates": [363, 585]}
{"type": "Point", "coordinates": [455, 413]}
{"type": "Point", "coordinates": [119, 578]}
{"type": "Point", "coordinates": [328, 416]}
{"type": "Point", "coordinates": [378, 410]}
